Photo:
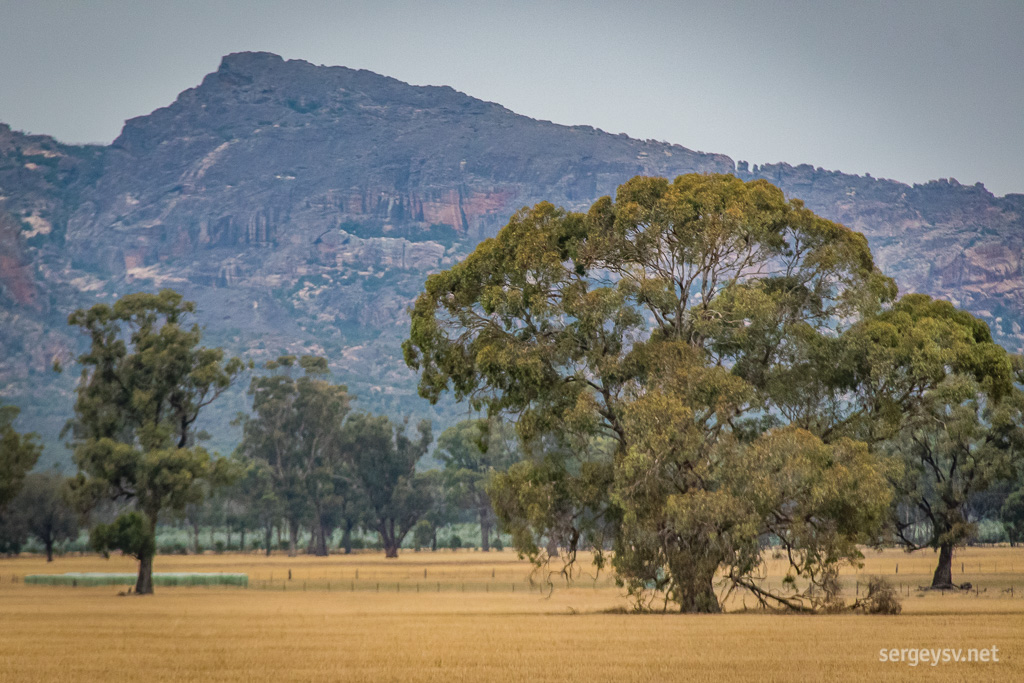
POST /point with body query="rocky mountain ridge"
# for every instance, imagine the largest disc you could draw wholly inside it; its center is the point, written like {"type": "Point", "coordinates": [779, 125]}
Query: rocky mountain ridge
{"type": "Point", "coordinates": [302, 206]}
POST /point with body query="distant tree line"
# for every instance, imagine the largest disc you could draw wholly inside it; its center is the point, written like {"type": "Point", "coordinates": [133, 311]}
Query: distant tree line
{"type": "Point", "coordinates": [306, 461]}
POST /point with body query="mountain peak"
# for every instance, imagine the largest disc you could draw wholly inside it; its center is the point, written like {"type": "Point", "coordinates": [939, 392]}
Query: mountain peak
{"type": "Point", "coordinates": [302, 206]}
{"type": "Point", "coordinates": [251, 61]}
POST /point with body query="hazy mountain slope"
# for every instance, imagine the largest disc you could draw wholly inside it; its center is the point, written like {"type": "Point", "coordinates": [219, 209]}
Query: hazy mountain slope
{"type": "Point", "coordinates": [302, 207]}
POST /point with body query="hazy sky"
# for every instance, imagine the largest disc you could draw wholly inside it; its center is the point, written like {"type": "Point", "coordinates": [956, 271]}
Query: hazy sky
{"type": "Point", "coordinates": [904, 90]}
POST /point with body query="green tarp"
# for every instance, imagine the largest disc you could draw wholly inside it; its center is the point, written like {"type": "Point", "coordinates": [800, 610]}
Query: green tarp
{"type": "Point", "coordinates": [159, 579]}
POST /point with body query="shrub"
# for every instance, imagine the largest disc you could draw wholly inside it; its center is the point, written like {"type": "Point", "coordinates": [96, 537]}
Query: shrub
{"type": "Point", "coordinates": [454, 542]}
{"type": "Point", "coordinates": [881, 598]}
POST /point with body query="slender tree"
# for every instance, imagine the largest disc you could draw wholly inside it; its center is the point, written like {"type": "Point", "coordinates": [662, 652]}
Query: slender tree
{"type": "Point", "coordinates": [295, 431]}
{"type": "Point", "coordinates": [145, 380]}
{"type": "Point", "coordinates": [472, 452]}
{"type": "Point", "coordinates": [942, 401]}
{"type": "Point", "coordinates": [18, 455]}
{"type": "Point", "coordinates": [383, 459]}
{"type": "Point", "coordinates": [956, 444]}
{"type": "Point", "coordinates": [440, 511]}
{"type": "Point", "coordinates": [48, 514]}
{"type": "Point", "coordinates": [1012, 516]}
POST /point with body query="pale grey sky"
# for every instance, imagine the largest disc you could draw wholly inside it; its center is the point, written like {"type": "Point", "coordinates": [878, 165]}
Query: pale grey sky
{"type": "Point", "coordinates": [911, 90]}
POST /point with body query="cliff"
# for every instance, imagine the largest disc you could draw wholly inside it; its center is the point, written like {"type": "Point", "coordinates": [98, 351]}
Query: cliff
{"type": "Point", "coordinates": [302, 206]}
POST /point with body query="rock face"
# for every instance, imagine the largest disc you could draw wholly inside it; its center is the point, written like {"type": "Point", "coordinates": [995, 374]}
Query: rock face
{"type": "Point", "coordinates": [957, 242]}
{"type": "Point", "coordinates": [302, 206]}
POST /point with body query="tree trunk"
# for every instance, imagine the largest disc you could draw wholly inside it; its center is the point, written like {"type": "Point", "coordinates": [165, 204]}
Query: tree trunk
{"type": "Point", "coordinates": [944, 572]}
{"type": "Point", "coordinates": [195, 537]}
{"type": "Point", "coordinates": [49, 550]}
{"type": "Point", "coordinates": [320, 538]}
{"type": "Point", "coordinates": [144, 584]}
{"type": "Point", "coordinates": [699, 599]}
{"type": "Point", "coordinates": [346, 538]}
{"type": "Point", "coordinates": [387, 537]}
{"type": "Point", "coordinates": [293, 532]}
{"type": "Point", "coordinates": [269, 537]}
{"type": "Point", "coordinates": [485, 530]}
{"type": "Point", "coordinates": [241, 544]}
{"type": "Point", "coordinates": [552, 548]}
{"type": "Point", "coordinates": [693, 579]}
{"type": "Point", "coordinates": [433, 541]}
{"type": "Point", "coordinates": [227, 546]}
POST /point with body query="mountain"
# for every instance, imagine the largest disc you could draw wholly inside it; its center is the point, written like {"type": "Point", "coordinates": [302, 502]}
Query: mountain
{"type": "Point", "coordinates": [302, 207]}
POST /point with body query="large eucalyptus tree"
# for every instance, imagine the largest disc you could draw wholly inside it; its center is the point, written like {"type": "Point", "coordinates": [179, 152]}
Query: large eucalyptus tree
{"type": "Point", "coordinates": [667, 357]}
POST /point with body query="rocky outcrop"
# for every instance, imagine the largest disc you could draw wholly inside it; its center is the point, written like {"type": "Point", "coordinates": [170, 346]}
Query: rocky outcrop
{"type": "Point", "coordinates": [303, 206]}
{"type": "Point", "coordinates": [957, 242]}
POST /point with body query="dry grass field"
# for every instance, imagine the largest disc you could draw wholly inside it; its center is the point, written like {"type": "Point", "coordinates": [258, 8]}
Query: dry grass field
{"type": "Point", "coordinates": [470, 616]}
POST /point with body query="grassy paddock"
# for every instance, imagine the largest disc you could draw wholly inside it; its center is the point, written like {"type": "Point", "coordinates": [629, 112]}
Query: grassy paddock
{"type": "Point", "coordinates": [283, 632]}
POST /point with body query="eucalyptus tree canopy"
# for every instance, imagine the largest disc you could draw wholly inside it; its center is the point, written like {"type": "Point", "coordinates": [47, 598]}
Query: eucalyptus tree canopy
{"type": "Point", "coordinates": [383, 459]}
{"type": "Point", "coordinates": [295, 432]}
{"type": "Point", "coordinates": [47, 512]}
{"type": "Point", "coordinates": [473, 451]}
{"type": "Point", "coordinates": [18, 454]}
{"type": "Point", "coordinates": [942, 401]}
{"type": "Point", "coordinates": [652, 352]}
{"type": "Point", "coordinates": [145, 380]}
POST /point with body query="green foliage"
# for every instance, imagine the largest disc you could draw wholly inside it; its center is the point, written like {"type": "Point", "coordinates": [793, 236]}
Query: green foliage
{"type": "Point", "coordinates": [383, 458]}
{"type": "Point", "coordinates": [1012, 516]}
{"type": "Point", "coordinates": [881, 598]}
{"type": "Point", "coordinates": [440, 510]}
{"type": "Point", "coordinates": [650, 349]}
{"type": "Point", "coordinates": [294, 441]}
{"type": "Point", "coordinates": [48, 515]}
{"type": "Point", "coordinates": [957, 442]}
{"type": "Point", "coordinates": [145, 379]}
{"type": "Point", "coordinates": [472, 452]}
{"type": "Point", "coordinates": [943, 402]}
{"type": "Point", "coordinates": [892, 360]}
{"type": "Point", "coordinates": [131, 533]}
{"type": "Point", "coordinates": [18, 455]}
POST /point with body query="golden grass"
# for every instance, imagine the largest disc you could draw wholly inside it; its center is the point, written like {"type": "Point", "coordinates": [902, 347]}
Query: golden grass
{"type": "Point", "coordinates": [229, 634]}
